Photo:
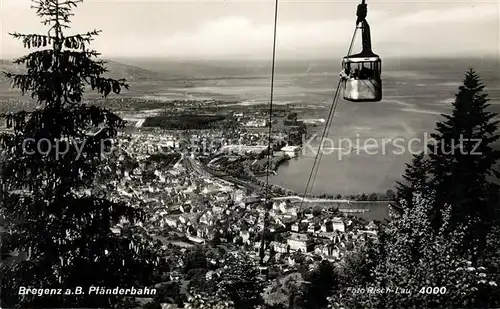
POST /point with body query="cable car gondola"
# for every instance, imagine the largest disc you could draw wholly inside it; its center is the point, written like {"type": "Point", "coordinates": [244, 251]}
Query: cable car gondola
{"type": "Point", "coordinates": [361, 73]}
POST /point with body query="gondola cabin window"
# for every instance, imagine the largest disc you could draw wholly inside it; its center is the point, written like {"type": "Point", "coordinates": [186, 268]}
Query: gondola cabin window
{"type": "Point", "coordinates": [362, 78]}
{"type": "Point", "coordinates": [363, 69]}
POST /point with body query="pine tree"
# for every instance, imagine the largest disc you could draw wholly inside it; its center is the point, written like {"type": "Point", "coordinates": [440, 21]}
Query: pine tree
{"type": "Point", "coordinates": [48, 172]}
{"type": "Point", "coordinates": [415, 176]}
{"type": "Point", "coordinates": [461, 162]}
{"type": "Point", "coordinates": [237, 286]}
{"type": "Point", "coordinates": [447, 216]}
{"type": "Point", "coordinates": [420, 256]}
{"type": "Point", "coordinates": [415, 179]}
{"type": "Point", "coordinates": [410, 254]}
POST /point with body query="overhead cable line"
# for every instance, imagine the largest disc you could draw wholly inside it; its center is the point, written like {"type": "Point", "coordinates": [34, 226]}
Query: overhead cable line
{"type": "Point", "coordinates": [331, 114]}
{"type": "Point", "coordinates": [271, 101]}
{"type": "Point", "coordinates": [267, 193]}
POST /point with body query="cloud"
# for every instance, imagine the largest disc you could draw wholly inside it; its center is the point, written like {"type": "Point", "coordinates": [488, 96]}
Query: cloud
{"type": "Point", "coordinates": [461, 14]}
{"type": "Point", "coordinates": [424, 32]}
{"type": "Point", "coordinates": [466, 29]}
{"type": "Point", "coordinates": [240, 36]}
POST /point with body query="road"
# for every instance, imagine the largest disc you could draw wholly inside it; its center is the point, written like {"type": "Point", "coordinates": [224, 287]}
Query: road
{"type": "Point", "coordinates": [198, 168]}
{"type": "Point", "coordinates": [190, 164]}
{"type": "Point", "coordinates": [325, 200]}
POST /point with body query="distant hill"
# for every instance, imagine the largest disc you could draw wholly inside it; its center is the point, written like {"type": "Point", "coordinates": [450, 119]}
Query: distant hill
{"type": "Point", "coordinates": [248, 68]}
{"type": "Point", "coordinates": [141, 81]}
{"type": "Point", "coordinates": [200, 70]}
{"type": "Point", "coordinates": [134, 73]}
{"type": "Point", "coordinates": [116, 70]}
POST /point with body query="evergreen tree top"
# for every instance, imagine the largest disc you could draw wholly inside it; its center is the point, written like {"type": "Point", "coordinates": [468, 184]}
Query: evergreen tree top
{"type": "Point", "coordinates": [51, 163]}
{"type": "Point", "coordinates": [472, 81]}
{"type": "Point", "coordinates": [461, 160]}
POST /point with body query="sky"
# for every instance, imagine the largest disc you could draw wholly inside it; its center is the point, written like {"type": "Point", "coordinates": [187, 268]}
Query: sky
{"type": "Point", "coordinates": [222, 29]}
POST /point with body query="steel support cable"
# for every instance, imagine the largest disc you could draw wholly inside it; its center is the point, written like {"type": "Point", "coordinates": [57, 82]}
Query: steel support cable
{"type": "Point", "coordinates": [352, 41]}
{"type": "Point", "coordinates": [331, 113]}
{"type": "Point", "coordinates": [271, 100]}
{"type": "Point", "coordinates": [266, 201]}
{"type": "Point", "coordinates": [328, 126]}
{"type": "Point", "coordinates": [316, 157]}
{"type": "Point", "coordinates": [334, 106]}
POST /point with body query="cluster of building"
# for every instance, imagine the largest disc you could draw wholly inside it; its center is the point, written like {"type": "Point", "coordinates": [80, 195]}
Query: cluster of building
{"type": "Point", "coordinates": [165, 187]}
{"type": "Point", "coordinates": [187, 207]}
{"type": "Point", "coordinates": [252, 120]}
{"type": "Point", "coordinates": [240, 221]}
{"type": "Point", "coordinates": [202, 143]}
{"type": "Point", "coordinates": [258, 123]}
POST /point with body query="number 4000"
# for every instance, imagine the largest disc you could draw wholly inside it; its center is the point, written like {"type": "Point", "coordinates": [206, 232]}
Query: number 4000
{"type": "Point", "coordinates": [433, 290]}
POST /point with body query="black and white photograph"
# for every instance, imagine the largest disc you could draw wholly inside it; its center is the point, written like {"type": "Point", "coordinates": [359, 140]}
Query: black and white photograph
{"type": "Point", "coordinates": [249, 154]}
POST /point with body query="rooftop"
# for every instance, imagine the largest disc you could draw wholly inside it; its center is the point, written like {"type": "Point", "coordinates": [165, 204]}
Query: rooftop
{"type": "Point", "coordinates": [298, 236]}
{"type": "Point", "coordinates": [290, 148]}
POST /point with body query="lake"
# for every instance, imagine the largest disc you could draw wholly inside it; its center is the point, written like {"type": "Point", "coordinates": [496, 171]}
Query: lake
{"type": "Point", "coordinates": [415, 93]}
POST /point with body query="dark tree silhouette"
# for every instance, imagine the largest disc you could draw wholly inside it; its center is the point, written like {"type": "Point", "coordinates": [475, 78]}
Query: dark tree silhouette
{"type": "Point", "coordinates": [390, 195]}
{"type": "Point", "coordinates": [461, 162]}
{"type": "Point", "coordinates": [446, 232]}
{"type": "Point", "coordinates": [49, 171]}
{"type": "Point", "coordinates": [321, 283]}
{"type": "Point", "coordinates": [416, 177]}
{"type": "Point", "coordinates": [237, 286]}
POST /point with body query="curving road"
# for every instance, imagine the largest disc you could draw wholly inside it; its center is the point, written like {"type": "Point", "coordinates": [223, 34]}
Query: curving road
{"type": "Point", "coordinates": [198, 168]}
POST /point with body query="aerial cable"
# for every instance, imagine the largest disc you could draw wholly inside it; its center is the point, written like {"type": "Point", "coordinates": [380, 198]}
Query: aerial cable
{"type": "Point", "coordinates": [331, 113]}
{"type": "Point", "coordinates": [328, 125]}
{"type": "Point", "coordinates": [266, 201]}
{"type": "Point", "coordinates": [316, 157]}
{"type": "Point", "coordinates": [352, 40]}
{"type": "Point", "coordinates": [271, 101]}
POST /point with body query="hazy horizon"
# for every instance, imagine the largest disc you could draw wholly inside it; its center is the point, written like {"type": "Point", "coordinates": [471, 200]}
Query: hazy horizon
{"type": "Point", "coordinates": [233, 29]}
{"type": "Point", "coordinates": [291, 58]}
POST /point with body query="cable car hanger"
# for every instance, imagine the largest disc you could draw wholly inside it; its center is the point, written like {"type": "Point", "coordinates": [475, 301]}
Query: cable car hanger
{"type": "Point", "coordinates": [362, 24]}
